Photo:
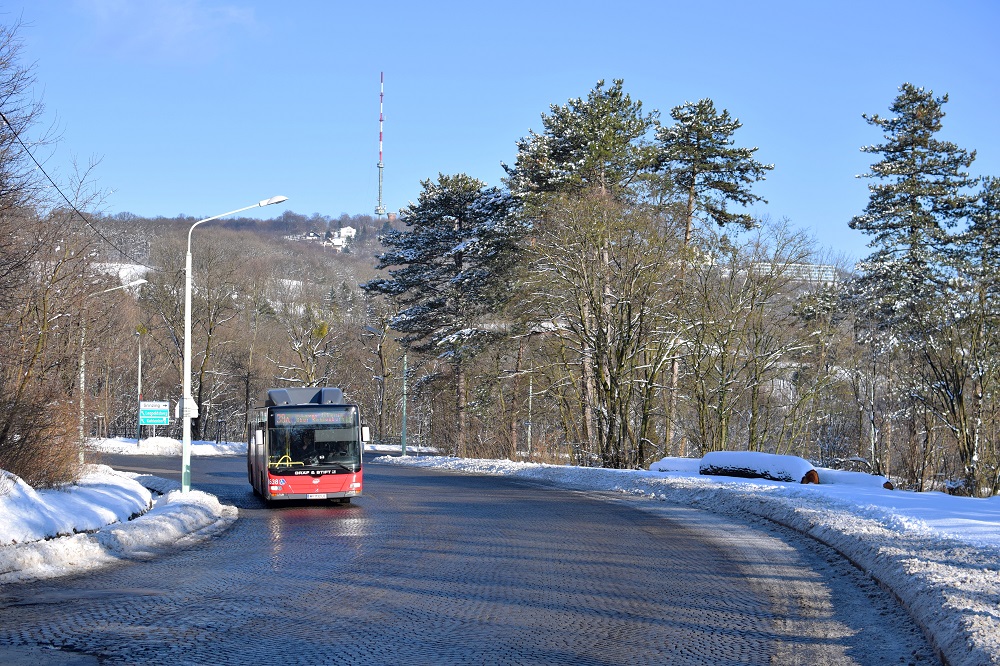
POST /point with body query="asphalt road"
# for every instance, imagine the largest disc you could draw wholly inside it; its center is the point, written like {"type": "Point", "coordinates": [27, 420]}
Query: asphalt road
{"type": "Point", "coordinates": [444, 568]}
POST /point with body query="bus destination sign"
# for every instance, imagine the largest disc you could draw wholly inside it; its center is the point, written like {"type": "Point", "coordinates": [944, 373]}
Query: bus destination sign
{"type": "Point", "coordinates": [313, 417]}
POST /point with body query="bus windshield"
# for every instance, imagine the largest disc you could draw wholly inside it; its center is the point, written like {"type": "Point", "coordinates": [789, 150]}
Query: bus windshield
{"type": "Point", "coordinates": [320, 440]}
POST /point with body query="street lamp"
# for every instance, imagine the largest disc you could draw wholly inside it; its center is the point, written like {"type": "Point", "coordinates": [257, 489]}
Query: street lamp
{"type": "Point", "coordinates": [189, 409]}
{"type": "Point", "coordinates": [138, 392]}
{"type": "Point", "coordinates": [83, 350]}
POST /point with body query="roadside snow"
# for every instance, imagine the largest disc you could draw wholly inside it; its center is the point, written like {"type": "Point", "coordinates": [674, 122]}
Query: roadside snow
{"type": "Point", "coordinates": [107, 517]}
{"type": "Point", "coordinates": [101, 497]}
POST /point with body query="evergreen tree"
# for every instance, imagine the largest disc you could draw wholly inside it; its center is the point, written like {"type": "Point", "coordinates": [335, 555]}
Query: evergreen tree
{"type": "Point", "coordinates": [922, 191]}
{"type": "Point", "coordinates": [978, 248]}
{"type": "Point", "coordinates": [911, 291]}
{"type": "Point", "coordinates": [450, 270]}
{"type": "Point", "coordinates": [592, 155]}
{"type": "Point", "coordinates": [699, 166]}
{"type": "Point", "coordinates": [708, 172]}
{"type": "Point", "coordinates": [449, 267]}
{"type": "Point", "coordinates": [596, 143]}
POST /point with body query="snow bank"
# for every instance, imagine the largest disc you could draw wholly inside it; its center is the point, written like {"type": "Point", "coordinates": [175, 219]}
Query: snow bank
{"type": "Point", "coordinates": [98, 522]}
{"type": "Point", "coordinates": [177, 519]}
{"type": "Point", "coordinates": [796, 467]}
{"type": "Point", "coordinates": [102, 496]}
{"type": "Point", "coordinates": [687, 465]}
{"type": "Point", "coordinates": [844, 478]}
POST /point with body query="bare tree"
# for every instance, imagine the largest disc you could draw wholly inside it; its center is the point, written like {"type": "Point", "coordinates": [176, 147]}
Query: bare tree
{"type": "Point", "coordinates": [45, 275]}
{"type": "Point", "coordinates": [741, 340]}
{"type": "Point", "coordinates": [311, 335]}
{"type": "Point", "coordinates": [598, 282]}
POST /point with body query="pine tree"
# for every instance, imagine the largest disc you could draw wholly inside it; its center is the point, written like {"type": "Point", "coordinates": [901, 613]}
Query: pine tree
{"type": "Point", "coordinates": [910, 290]}
{"type": "Point", "coordinates": [708, 172]}
{"type": "Point", "coordinates": [921, 193]}
{"type": "Point", "coordinates": [591, 155]}
{"type": "Point", "coordinates": [598, 143]}
{"type": "Point", "coordinates": [978, 248]}
{"type": "Point", "coordinates": [450, 270]}
{"type": "Point", "coordinates": [700, 167]}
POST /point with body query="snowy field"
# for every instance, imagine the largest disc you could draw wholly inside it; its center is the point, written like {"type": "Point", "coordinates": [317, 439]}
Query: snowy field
{"type": "Point", "coordinates": [939, 555]}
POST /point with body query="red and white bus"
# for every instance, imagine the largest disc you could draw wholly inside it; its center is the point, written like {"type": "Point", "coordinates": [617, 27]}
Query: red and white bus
{"type": "Point", "coordinates": [305, 444]}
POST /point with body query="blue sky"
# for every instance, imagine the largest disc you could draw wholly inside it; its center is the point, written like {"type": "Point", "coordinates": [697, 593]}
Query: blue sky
{"type": "Point", "coordinates": [198, 107]}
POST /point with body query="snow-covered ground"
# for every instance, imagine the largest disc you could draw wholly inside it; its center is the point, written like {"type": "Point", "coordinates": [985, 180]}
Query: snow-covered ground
{"type": "Point", "coordinates": [939, 554]}
{"type": "Point", "coordinates": [108, 516]}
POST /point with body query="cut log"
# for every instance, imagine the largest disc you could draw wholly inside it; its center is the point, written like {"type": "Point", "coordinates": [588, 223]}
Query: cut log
{"type": "Point", "coordinates": [749, 465]}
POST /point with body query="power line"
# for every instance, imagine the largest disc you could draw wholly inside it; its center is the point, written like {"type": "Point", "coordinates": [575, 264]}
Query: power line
{"type": "Point", "coordinates": [66, 199]}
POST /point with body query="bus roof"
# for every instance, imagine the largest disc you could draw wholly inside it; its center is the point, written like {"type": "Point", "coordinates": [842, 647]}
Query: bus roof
{"type": "Point", "coordinates": [304, 396]}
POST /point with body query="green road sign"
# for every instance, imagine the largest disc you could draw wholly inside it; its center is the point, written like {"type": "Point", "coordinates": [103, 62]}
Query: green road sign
{"type": "Point", "coordinates": [154, 413]}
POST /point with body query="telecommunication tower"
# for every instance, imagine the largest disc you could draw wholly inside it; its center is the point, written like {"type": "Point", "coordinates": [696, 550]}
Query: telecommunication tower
{"type": "Point", "coordinates": [380, 209]}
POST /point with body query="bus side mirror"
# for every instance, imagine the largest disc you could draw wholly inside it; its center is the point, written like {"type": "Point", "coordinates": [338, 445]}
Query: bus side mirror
{"type": "Point", "coordinates": [365, 434]}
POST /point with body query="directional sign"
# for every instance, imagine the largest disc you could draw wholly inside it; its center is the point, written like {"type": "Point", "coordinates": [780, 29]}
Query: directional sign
{"type": "Point", "coordinates": [154, 413]}
{"type": "Point", "coordinates": [186, 409]}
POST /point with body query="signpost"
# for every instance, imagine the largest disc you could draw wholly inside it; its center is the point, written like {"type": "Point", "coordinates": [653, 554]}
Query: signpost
{"type": "Point", "coordinates": [154, 413]}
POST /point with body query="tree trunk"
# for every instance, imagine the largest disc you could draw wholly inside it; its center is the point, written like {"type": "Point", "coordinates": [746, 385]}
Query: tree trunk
{"type": "Point", "coordinates": [460, 409]}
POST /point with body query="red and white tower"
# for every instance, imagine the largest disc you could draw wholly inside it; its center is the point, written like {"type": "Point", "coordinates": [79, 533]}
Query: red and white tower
{"type": "Point", "coordinates": [380, 209]}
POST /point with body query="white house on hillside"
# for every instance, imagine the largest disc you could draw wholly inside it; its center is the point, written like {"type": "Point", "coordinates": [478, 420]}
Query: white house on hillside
{"type": "Point", "coordinates": [340, 237]}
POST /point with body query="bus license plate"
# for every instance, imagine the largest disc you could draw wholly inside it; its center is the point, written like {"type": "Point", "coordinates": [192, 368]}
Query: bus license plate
{"type": "Point", "coordinates": [316, 496]}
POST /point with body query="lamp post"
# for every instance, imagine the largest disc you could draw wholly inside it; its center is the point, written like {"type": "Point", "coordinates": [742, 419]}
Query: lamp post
{"type": "Point", "coordinates": [138, 392]}
{"type": "Point", "coordinates": [402, 434]}
{"type": "Point", "coordinates": [189, 409]}
{"type": "Point", "coordinates": [83, 351]}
